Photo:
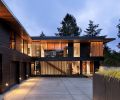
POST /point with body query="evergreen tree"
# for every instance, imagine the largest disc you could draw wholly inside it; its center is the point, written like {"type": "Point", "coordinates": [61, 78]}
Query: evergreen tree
{"type": "Point", "coordinates": [111, 57]}
{"type": "Point", "coordinates": [42, 34]}
{"type": "Point", "coordinates": [92, 29]}
{"type": "Point", "coordinates": [118, 26]}
{"type": "Point", "coordinates": [69, 27]}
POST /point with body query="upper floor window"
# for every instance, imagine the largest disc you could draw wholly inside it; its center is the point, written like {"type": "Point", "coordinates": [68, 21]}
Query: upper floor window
{"type": "Point", "coordinates": [50, 49]}
{"type": "Point", "coordinates": [76, 49]}
{"type": "Point", "coordinates": [12, 40]}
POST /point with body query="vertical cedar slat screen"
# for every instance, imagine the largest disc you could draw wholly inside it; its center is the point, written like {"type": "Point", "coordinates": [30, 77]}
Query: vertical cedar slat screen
{"type": "Point", "coordinates": [96, 49]}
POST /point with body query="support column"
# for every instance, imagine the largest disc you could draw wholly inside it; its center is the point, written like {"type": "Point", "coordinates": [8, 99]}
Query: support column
{"type": "Point", "coordinates": [70, 49]}
{"type": "Point", "coordinates": [40, 67]}
{"type": "Point", "coordinates": [70, 68]}
{"type": "Point", "coordinates": [96, 66]}
{"type": "Point", "coordinates": [34, 68]}
{"type": "Point", "coordinates": [81, 68]}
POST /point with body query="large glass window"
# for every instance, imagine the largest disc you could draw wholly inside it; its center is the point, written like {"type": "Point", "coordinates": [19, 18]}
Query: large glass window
{"type": "Point", "coordinates": [12, 40]}
{"type": "Point", "coordinates": [49, 49]}
{"type": "Point", "coordinates": [76, 49]}
{"type": "Point", "coordinates": [25, 46]}
{"type": "Point", "coordinates": [56, 68]}
{"type": "Point", "coordinates": [87, 67]}
{"type": "Point", "coordinates": [29, 50]}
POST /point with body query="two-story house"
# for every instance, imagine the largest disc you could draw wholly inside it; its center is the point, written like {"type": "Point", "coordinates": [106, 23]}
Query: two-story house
{"type": "Point", "coordinates": [22, 56]}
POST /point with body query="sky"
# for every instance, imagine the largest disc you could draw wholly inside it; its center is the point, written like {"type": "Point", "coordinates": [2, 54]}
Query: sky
{"type": "Point", "coordinates": [46, 15]}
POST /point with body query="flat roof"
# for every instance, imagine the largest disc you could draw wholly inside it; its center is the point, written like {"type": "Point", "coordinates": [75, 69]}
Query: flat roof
{"type": "Point", "coordinates": [71, 38]}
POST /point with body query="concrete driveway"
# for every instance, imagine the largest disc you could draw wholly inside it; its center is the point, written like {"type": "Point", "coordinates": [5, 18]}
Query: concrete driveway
{"type": "Point", "coordinates": [52, 89]}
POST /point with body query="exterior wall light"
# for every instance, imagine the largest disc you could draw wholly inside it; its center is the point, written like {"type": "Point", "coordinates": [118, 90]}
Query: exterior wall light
{"type": "Point", "coordinates": [6, 84]}
{"type": "Point", "coordinates": [20, 78]}
{"type": "Point", "coordinates": [27, 76]}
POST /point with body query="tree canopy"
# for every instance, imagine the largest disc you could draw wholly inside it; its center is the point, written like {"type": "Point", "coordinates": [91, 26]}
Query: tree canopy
{"type": "Point", "coordinates": [92, 29]}
{"type": "Point", "coordinates": [69, 27]}
{"type": "Point", "coordinates": [111, 57]}
{"type": "Point", "coordinates": [118, 26]}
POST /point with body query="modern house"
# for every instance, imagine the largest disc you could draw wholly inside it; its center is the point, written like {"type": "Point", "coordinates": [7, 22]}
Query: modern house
{"type": "Point", "coordinates": [22, 56]}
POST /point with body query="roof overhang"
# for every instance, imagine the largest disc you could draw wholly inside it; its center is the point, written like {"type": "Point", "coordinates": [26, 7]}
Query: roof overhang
{"type": "Point", "coordinates": [72, 39]}
{"type": "Point", "coordinates": [7, 16]}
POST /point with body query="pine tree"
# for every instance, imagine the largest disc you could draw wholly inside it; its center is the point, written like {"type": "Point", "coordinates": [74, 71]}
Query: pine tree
{"type": "Point", "coordinates": [118, 26]}
{"type": "Point", "coordinates": [69, 27]}
{"type": "Point", "coordinates": [92, 29]}
{"type": "Point", "coordinates": [42, 34]}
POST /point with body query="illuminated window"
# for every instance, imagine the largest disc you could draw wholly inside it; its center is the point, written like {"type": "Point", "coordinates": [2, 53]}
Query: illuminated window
{"type": "Point", "coordinates": [12, 40]}
{"type": "Point", "coordinates": [76, 49]}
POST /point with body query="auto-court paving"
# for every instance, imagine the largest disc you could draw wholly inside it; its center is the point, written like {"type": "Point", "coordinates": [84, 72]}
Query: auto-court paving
{"type": "Point", "coordinates": [52, 89]}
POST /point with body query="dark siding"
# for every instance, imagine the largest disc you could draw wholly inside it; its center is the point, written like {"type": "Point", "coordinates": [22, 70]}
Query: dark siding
{"type": "Point", "coordinates": [84, 49]}
{"type": "Point", "coordinates": [23, 70]}
{"type": "Point", "coordinates": [17, 68]}
{"type": "Point", "coordinates": [29, 69]}
{"type": "Point", "coordinates": [14, 73]}
{"type": "Point", "coordinates": [11, 71]}
{"type": "Point", "coordinates": [0, 72]}
{"type": "Point", "coordinates": [4, 36]}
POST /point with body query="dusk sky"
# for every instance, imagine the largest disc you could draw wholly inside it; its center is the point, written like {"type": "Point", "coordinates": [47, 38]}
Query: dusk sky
{"type": "Point", "coordinates": [45, 15]}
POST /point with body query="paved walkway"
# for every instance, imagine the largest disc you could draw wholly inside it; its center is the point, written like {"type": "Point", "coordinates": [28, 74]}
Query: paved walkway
{"type": "Point", "coordinates": [52, 89]}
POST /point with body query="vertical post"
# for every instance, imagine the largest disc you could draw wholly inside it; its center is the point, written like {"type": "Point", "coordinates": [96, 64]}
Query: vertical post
{"type": "Point", "coordinates": [35, 67]}
{"type": "Point", "coordinates": [70, 49]}
{"type": "Point", "coordinates": [27, 47]}
{"type": "Point", "coordinates": [70, 68]}
{"type": "Point", "coordinates": [23, 46]}
{"type": "Point", "coordinates": [40, 67]}
{"type": "Point", "coordinates": [81, 68]}
{"type": "Point", "coordinates": [96, 65]}
{"type": "Point", "coordinates": [15, 48]}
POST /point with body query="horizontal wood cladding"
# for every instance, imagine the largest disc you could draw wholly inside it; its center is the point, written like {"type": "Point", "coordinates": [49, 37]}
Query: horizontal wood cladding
{"type": "Point", "coordinates": [10, 56]}
{"type": "Point", "coordinates": [4, 36]}
{"type": "Point", "coordinates": [13, 73]}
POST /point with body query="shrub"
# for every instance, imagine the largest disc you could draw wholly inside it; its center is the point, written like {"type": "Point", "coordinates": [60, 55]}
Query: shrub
{"type": "Point", "coordinates": [115, 73]}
